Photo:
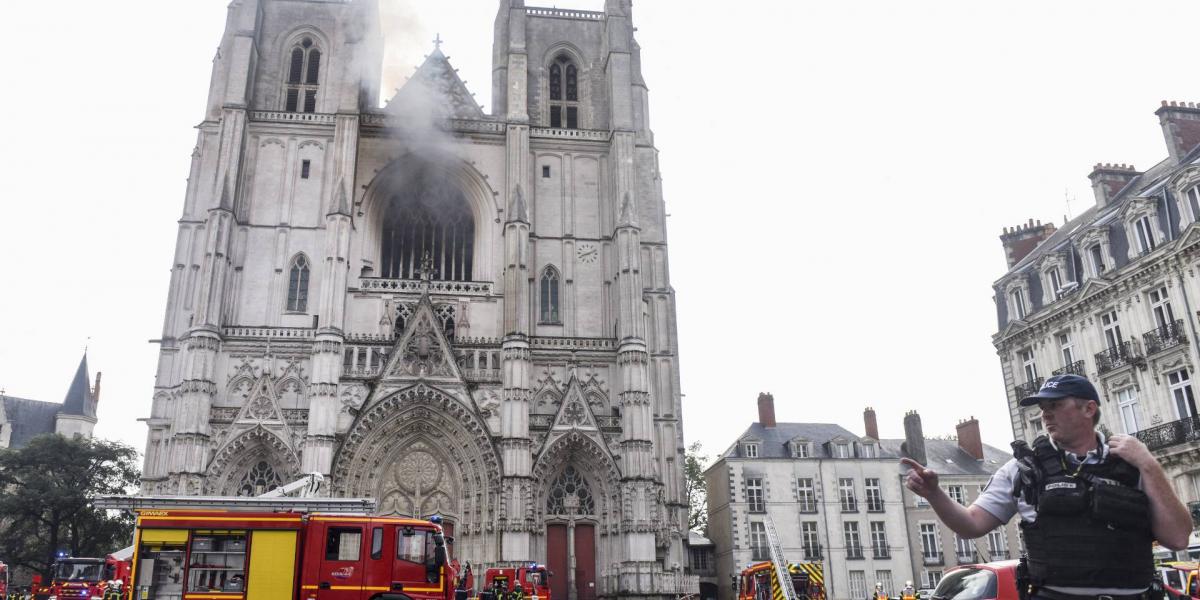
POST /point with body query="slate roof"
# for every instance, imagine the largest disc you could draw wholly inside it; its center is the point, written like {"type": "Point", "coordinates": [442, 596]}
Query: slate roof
{"type": "Point", "coordinates": [945, 457]}
{"type": "Point", "coordinates": [79, 400]}
{"type": "Point", "coordinates": [436, 90]}
{"type": "Point", "coordinates": [774, 439]}
{"type": "Point", "coordinates": [28, 418]}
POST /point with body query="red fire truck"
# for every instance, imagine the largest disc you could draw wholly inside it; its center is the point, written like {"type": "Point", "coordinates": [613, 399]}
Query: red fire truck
{"type": "Point", "coordinates": [88, 578]}
{"type": "Point", "coordinates": [283, 548]}
{"type": "Point", "coordinates": [501, 584]}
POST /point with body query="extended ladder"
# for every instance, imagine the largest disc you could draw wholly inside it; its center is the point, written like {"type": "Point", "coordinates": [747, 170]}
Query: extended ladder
{"type": "Point", "coordinates": [778, 562]}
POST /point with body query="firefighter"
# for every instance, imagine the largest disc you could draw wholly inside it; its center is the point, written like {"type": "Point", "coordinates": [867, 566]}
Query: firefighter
{"type": "Point", "coordinates": [908, 593]}
{"type": "Point", "coordinates": [1090, 506]}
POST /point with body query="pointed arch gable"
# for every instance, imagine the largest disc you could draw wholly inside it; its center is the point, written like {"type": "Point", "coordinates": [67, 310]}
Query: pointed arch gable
{"type": "Point", "coordinates": [243, 452]}
{"type": "Point", "coordinates": [595, 464]}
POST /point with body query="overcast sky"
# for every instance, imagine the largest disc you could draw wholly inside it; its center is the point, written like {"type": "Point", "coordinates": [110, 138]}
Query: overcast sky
{"type": "Point", "coordinates": [837, 175]}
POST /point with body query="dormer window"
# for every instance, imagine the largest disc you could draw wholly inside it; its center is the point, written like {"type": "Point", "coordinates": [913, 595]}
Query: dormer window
{"type": "Point", "coordinates": [800, 449]}
{"type": "Point", "coordinates": [750, 449]}
{"type": "Point", "coordinates": [868, 451]}
{"type": "Point", "coordinates": [303, 76]}
{"type": "Point", "coordinates": [1096, 253]}
{"type": "Point", "coordinates": [1144, 235]}
{"type": "Point", "coordinates": [1017, 297]}
{"type": "Point", "coordinates": [1054, 286]}
{"type": "Point", "coordinates": [564, 93]}
{"type": "Point", "coordinates": [1193, 202]}
{"type": "Point", "coordinates": [842, 450]}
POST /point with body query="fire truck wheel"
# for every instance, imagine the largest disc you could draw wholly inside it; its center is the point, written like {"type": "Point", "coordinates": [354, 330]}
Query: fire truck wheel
{"type": "Point", "coordinates": [392, 597]}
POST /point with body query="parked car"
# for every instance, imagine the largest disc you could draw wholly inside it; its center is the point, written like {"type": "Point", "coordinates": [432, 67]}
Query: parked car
{"type": "Point", "coordinates": [987, 581]}
{"type": "Point", "coordinates": [924, 593]}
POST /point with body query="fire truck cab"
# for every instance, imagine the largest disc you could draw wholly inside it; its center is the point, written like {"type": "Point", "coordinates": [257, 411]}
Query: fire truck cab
{"type": "Point", "coordinates": [283, 548]}
{"type": "Point", "coordinates": [757, 581]}
{"type": "Point", "coordinates": [87, 578]}
{"type": "Point", "coordinates": [501, 584]}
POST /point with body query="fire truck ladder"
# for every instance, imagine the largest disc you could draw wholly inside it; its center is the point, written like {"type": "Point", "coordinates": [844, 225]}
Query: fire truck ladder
{"type": "Point", "coordinates": [284, 504]}
{"type": "Point", "coordinates": [778, 562]}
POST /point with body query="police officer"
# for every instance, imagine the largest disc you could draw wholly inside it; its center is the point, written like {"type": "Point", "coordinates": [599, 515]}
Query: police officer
{"type": "Point", "coordinates": [1090, 507]}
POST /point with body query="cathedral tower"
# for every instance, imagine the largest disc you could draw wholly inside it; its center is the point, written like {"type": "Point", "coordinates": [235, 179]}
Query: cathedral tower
{"type": "Point", "coordinates": [449, 311]}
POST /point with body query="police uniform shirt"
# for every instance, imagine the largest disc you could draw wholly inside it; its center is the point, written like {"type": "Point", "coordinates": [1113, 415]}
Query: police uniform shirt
{"type": "Point", "coordinates": [998, 500]}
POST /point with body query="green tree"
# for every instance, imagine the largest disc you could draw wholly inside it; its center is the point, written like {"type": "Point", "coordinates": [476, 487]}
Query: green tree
{"type": "Point", "coordinates": [46, 488]}
{"type": "Point", "coordinates": [694, 464]}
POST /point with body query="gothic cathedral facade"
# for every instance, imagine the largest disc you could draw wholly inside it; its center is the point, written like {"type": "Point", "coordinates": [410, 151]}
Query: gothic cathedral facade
{"type": "Point", "coordinates": [449, 311]}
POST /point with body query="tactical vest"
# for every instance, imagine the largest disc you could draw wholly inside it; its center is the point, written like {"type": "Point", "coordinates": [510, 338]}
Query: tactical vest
{"type": "Point", "coordinates": [1093, 524]}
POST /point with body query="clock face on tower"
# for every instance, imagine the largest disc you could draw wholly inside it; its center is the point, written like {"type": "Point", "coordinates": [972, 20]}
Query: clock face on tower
{"type": "Point", "coordinates": [587, 253]}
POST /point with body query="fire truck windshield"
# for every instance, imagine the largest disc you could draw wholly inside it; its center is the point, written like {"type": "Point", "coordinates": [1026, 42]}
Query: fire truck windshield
{"type": "Point", "coordinates": [78, 571]}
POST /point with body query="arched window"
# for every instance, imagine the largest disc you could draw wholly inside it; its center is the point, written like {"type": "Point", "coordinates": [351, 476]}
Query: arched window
{"type": "Point", "coordinates": [570, 494]}
{"type": "Point", "coordinates": [260, 479]}
{"type": "Point", "coordinates": [430, 219]}
{"type": "Point", "coordinates": [304, 70]}
{"type": "Point", "coordinates": [298, 285]}
{"type": "Point", "coordinates": [549, 304]}
{"type": "Point", "coordinates": [564, 93]}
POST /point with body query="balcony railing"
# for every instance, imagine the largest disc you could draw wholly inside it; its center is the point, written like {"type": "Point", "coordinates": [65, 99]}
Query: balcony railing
{"type": "Point", "coordinates": [813, 552]}
{"type": "Point", "coordinates": [1118, 356]}
{"type": "Point", "coordinates": [759, 553]}
{"type": "Point", "coordinates": [881, 552]}
{"type": "Point", "coordinates": [1076, 368]}
{"type": "Point", "coordinates": [998, 555]}
{"type": "Point", "coordinates": [854, 552]}
{"type": "Point", "coordinates": [969, 557]}
{"type": "Point", "coordinates": [1171, 434]}
{"type": "Point", "coordinates": [1028, 388]}
{"type": "Point", "coordinates": [931, 559]}
{"type": "Point", "coordinates": [1165, 337]}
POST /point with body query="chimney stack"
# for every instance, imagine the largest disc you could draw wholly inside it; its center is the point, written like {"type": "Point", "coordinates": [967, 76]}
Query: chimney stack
{"type": "Point", "coordinates": [1109, 179]}
{"type": "Point", "coordinates": [1021, 240]}
{"type": "Point", "coordinates": [872, 426]}
{"type": "Point", "coordinates": [914, 438]}
{"type": "Point", "coordinates": [95, 389]}
{"type": "Point", "coordinates": [1181, 127]}
{"type": "Point", "coordinates": [766, 410]}
{"type": "Point", "coordinates": [968, 438]}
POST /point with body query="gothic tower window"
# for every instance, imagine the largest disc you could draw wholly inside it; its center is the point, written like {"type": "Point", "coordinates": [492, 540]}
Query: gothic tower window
{"type": "Point", "coordinates": [433, 222]}
{"type": "Point", "coordinates": [297, 300]}
{"type": "Point", "coordinates": [564, 93]}
{"type": "Point", "coordinates": [549, 303]}
{"type": "Point", "coordinates": [304, 69]}
{"type": "Point", "coordinates": [260, 479]}
{"type": "Point", "coordinates": [570, 494]}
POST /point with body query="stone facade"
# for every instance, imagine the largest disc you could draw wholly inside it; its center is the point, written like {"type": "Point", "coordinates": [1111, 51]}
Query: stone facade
{"type": "Point", "coordinates": [1112, 295]}
{"type": "Point", "coordinates": [450, 311]}
{"type": "Point", "coordinates": [838, 498]}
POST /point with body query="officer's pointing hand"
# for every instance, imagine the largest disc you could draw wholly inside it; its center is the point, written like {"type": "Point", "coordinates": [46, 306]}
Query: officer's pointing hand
{"type": "Point", "coordinates": [1131, 450]}
{"type": "Point", "coordinates": [923, 482]}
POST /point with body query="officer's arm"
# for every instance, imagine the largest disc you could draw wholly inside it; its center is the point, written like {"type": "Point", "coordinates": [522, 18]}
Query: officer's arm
{"type": "Point", "coordinates": [967, 521]}
{"type": "Point", "coordinates": [1169, 518]}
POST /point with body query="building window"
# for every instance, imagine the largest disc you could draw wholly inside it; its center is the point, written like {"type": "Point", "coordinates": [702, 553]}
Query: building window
{"type": "Point", "coordinates": [1193, 200]}
{"type": "Point", "coordinates": [1018, 303]}
{"type": "Point", "coordinates": [260, 479]}
{"type": "Point", "coordinates": [1144, 234]}
{"type": "Point", "coordinates": [1096, 252]}
{"type": "Point", "coordinates": [868, 450]}
{"type": "Point", "coordinates": [1111, 328]}
{"type": "Point", "coordinates": [879, 543]}
{"type": "Point", "coordinates": [550, 296]}
{"type": "Point", "coordinates": [930, 550]}
{"type": "Point", "coordinates": [853, 542]}
{"type": "Point", "coordinates": [800, 449]}
{"type": "Point", "coordinates": [1127, 404]}
{"type": "Point", "coordinates": [754, 495]}
{"type": "Point", "coordinates": [964, 549]}
{"type": "Point", "coordinates": [957, 493]}
{"type": "Point", "coordinates": [570, 493]}
{"type": "Point", "coordinates": [884, 578]}
{"type": "Point", "coordinates": [305, 167]}
{"type": "Point", "coordinates": [858, 584]}
{"type": "Point", "coordinates": [1036, 425]}
{"type": "Point", "coordinates": [932, 578]}
{"type": "Point", "coordinates": [806, 495]}
{"type": "Point", "coordinates": [1054, 282]}
{"type": "Point", "coordinates": [874, 495]}
{"type": "Point", "coordinates": [810, 540]}
{"type": "Point", "coordinates": [758, 541]}
{"type": "Point", "coordinates": [1181, 392]}
{"type": "Point", "coordinates": [546, 171]}
{"type": "Point", "coordinates": [997, 544]}
{"type": "Point", "coordinates": [842, 449]}
{"type": "Point", "coordinates": [846, 495]}
{"type": "Point", "coordinates": [1160, 307]}
{"type": "Point", "coordinates": [700, 560]}
{"type": "Point", "coordinates": [1067, 348]}
{"type": "Point", "coordinates": [751, 450]}
{"type": "Point", "coordinates": [304, 70]}
{"type": "Point", "coordinates": [416, 229]}
{"type": "Point", "coordinates": [1030, 366]}
{"type": "Point", "coordinates": [564, 93]}
{"type": "Point", "coordinates": [297, 298]}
